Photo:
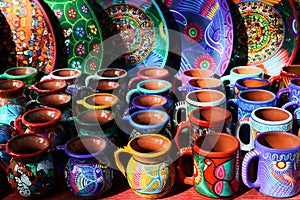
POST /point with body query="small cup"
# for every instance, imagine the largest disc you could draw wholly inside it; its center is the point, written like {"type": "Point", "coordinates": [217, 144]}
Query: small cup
{"type": "Point", "coordinates": [215, 163]}
{"type": "Point", "coordinates": [114, 74]}
{"type": "Point", "coordinates": [25, 74]}
{"type": "Point", "coordinates": [201, 121]}
{"type": "Point", "coordinates": [203, 83]}
{"type": "Point", "coordinates": [292, 92]}
{"type": "Point", "coordinates": [99, 101]}
{"type": "Point", "coordinates": [262, 120]}
{"type": "Point", "coordinates": [67, 74]}
{"type": "Point", "coordinates": [195, 73]}
{"type": "Point", "coordinates": [278, 164]}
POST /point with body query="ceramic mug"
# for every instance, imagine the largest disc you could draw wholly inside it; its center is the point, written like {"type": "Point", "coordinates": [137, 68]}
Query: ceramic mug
{"type": "Point", "coordinates": [203, 120]}
{"type": "Point", "coordinates": [87, 172]}
{"type": "Point", "coordinates": [215, 163]}
{"type": "Point", "coordinates": [26, 74]}
{"type": "Point", "coordinates": [248, 101]}
{"type": "Point", "coordinates": [151, 86]}
{"type": "Point", "coordinates": [31, 171]}
{"type": "Point", "coordinates": [196, 99]}
{"type": "Point", "coordinates": [99, 101]}
{"type": "Point", "coordinates": [149, 171]}
{"type": "Point", "coordinates": [146, 122]}
{"type": "Point", "coordinates": [244, 84]}
{"type": "Point", "coordinates": [203, 83]}
{"type": "Point", "coordinates": [242, 72]}
{"type": "Point", "coordinates": [292, 92]}
{"type": "Point", "coordinates": [67, 74]}
{"type": "Point", "coordinates": [262, 120]}
{"type": "Point", "coordinates": [195, 73]}
{"type": "Point", "coordinates": [278, 164]}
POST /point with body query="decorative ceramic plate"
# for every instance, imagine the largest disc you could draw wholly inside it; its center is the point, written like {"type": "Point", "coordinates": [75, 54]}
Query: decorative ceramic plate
{"type": "Point", "coordinates": [79, 37]}
{"type": "Point", "coordinates": [269, 31]}
{"type": "Point", "coordinates": [206, 33]}
{"type": "Point", "coordinates": [134, 33]}
{"type": "Point", "coordinates": [26, 35]}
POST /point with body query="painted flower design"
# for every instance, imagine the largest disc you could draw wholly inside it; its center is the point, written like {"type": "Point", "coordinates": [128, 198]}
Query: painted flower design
{"type": "Point", "coordinates": [76, 64]}
{"type": "Point", "coordinates": [58, 13]}
{"type": "Point", "coordinates": [194, 32]}
{"type": "Point", "coordinates": [96, 48]}
{"type": "Point", "coordinates": [80, 31]}
{"type": "Point", "coordinates": [205, 62]}
{"type": "Point", "coordinates": [66, 50]}
{"type": "Point", "coordinates": [72, 13]}
{"type": "Point", "coordinates": [93, 29]}
{"type": "Point", "coordinates": [81, 50]}
{"type": "Point", "coordinates": [67, 32]}
{"type": "Point", "coordinates": [93, 66]}
{"type": "Point", "coordinates": [84, 9]}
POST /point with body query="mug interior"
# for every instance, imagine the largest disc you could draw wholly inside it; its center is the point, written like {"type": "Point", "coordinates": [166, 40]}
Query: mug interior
{"type": "Point", "coordinates": [205, 82]}
{"type": "Point", "coordinates": [272, 114]}
{"type": "Point", "coordinates": [101, 100]}
{"type": "Point", "coordinates": [150, 101]}
{"type": "Point", "coordinates": [246, 70]}
{"type": "Point", "coordinates": [154, 72]}
{"type": "Point", "coordinates": [54, 99]}
{"type": "Point", "coordinates": [66, 73]}
{"type": "Point", "coordinates": [149, 118]}
{"type": "Point", "coordinates": [11, 84]}
{"type": "Point", "coordinates": [198, 73]}
{"type": "Point", "coordinates": [257, 95]}
{"type": "Point", "coordinates": [149, 144]}
{"type": "Point", "coordinates": [292, 69]}
{"type": "Point", "coordinates": [86, 145]}
{"type": "Point", "coordinates": [51, 84]}
{"type": "Point", "coordinates": [38, 116]}
{"type": "Point", "coordinates": [278, 140]}
{"type": "Point", "coordinates": [296, 81]}
{"type": "Point", "coordinates": [211, 114]}
{"type": "Point", "coordinates": [154, 85]}
{"type": "Point", "coordinates": [104, 85]}
{"type": "Point", "coordinates": [205, 96]}
{"type": "Point", "coordinates": [113, 72]}
{"type": "Point", "coordinates": [252, 83]}
{"type": "Point", "coordinates": [95, 116]}
{"type": "Point", "coordinates": [20, 71]}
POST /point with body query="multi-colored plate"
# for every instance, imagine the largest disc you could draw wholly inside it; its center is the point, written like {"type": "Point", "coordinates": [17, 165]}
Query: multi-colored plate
{"type": "Point", "coordinates": [269, 30]}
{"type": "Point", "coordinates": [26, 35]}
{"type": "Point", "coordinates": [206, 33]}
{"type": "Point", "coordinates": [79, 36]}
{"type": "Point", "coordinates": [134, 33]}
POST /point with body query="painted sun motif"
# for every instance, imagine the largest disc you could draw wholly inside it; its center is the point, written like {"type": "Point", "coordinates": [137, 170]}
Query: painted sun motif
{"type": "Point", "coordinates": [197, 172]}
{"type": "Point", "coordinates": [194, 32]}
{"type": "Point", "coordinates": [205, 62]}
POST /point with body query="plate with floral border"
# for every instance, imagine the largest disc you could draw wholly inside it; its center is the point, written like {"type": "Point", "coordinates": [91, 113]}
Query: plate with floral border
{"type": "Point", "coordinates": [271, 34]}
{"type": "Point", "coordinates": [206, 30]}
{"type": "Point", "coordinates": [79, 36]}
{"type": "Point", "coordinates": [134, 33]}
{"type": "Point", "coordinates": [26, 35]}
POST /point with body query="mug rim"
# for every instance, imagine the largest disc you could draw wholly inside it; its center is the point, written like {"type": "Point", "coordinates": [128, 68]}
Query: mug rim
{"type": "Point", "coordinates": [141, 75]}
{"type": "Point", "coordinates": [239, 67]}
{"type": "Point", "coordinates": [285, 121]}
{"type": "Point", "coordinates": [234, 149]}
{"type": "Point", "coordinates": [205, 78]}
{"type": "Point", "coordinates": [96, 123]}
{"type": "Point", "coordinates": [139, 88]}
{"type": "Point", "coordinates": [35, 71]}
{"type": "Point", "coordinates": [211, 103]}
{"type": "Point", "coordinates": [289, 74]}
{"type": "Point", "coordinates": [239, 86]}
{"type": "Point", "coordinates": [133, 123]}
{"type": "Point", "coordinates": [79, 73]}
{"type": "Point", "coordinates": [198, 69]}
{"type": "Point", "coordinates": [145, 95]}
{"type": "Point", "coordinates": [91, 106]}
{"type": "Point", "coordinates": [256, 102]}
{"type": "Point", "coordinates": [111, 78]}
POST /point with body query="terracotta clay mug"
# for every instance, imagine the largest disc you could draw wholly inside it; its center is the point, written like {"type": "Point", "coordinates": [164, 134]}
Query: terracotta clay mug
{"type": "Point", "coordinates": [26, 74]}
{"type": "Point", "coordinates": [67, 74]}
{"type": "Point", "coordinates": [278, 164]}
{"type": "Point", "coordinates": [203, 83]}
{"type": "Point", "coordinates": [149, 171]}
{"type": "Point", "coordinates": [262, 120]}
{"type": "Point", "coordinates": [44, 87]}
{"type": "Point", "coordinates": [87, 173]}
{"type": "Point", "coordinates": [215, 164]}
{"type": "Point", "coordinates": [203, 120]}
{"type": "Point", "coordinates": [31, 171]}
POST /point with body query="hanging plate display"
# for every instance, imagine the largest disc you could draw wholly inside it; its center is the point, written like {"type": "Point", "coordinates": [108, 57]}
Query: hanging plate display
{"type": "Point", "coordinates": [269, 30]}
{"type": "Point", "coordinates": [134, 33]}
{"type": "Point", "coordinates": [26, 35]}
{"type": "Point", "coordinates": [206, 33]}
{"type": "Point", "coordinates": [79, 37]}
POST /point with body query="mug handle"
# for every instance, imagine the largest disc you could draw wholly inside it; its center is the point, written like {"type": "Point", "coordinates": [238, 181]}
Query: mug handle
{"type": "Point", "coordinates": [133, 80]}
{"type": "Point", "coordinates": [87, 80]}
{"type": "Point", "coordinates": [29, 104]}
{"type": "Point", "coordinates": [232, 107]}
{"type": "Point", "coordinates": [47, 77]}
{"type": "Point", "coordinates": [244, 147]}
{"type": "Point", "coordinates": [226, 78]}
{"type": "Point", "coordinates": [245, 165]}
{"type": "Point", "coordinates": [279, 96]}
{"type": "Point", "coordinates": [189, 180]}
{"type": "Point", "coordinates": [179, 128]}
{"type": "Point", "coordinates": [118, 161]}
{"type": "Point", "coordinates": [130, 93]}
{"type": "Point", "coordinates": [275, 83]}
{"type": "Point", "coordinates": [178, 106]}
{"type": "Point", "coordinates": [17, 125]}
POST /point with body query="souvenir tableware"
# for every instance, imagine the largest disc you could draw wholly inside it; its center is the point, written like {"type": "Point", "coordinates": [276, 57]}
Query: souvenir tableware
{"type": "Point", "coordinates": [216, 165]}
{"type": "Point", "coordinates": [28, 38]}
{"type": "Point", "coordinates": [244, 84]}
{"type": "Point", "coordinates": [98, 123]}
{"type": "Point", "coordinates": [206, 38]}
{"type": "Point", "coordinates": [25, 74]}
{"type": "Point", "coordinates": [44, 87]}
{"type": "Point", "coordinates": [43, 121]}
{"type": "Point", "coordinates": [196, 99]}
{"type": "Point", "coordinates": [203, 83]}
{"type": "Point", "coordinates": [190, 74]}
{"type": "Point", "coordinates": [87, 173]}
{"type": "Point", "coordinates": [204, 120]}
{"type": "Point", "coordinates": [263, 120]}
{"type": "Point", "coordinates": [31, 171]}
{"type": "Point", "coordinates": [11, 103]}
{"type": "Point", "coordinates": [278, 164]}
{"type": "Point", "coordinates": [146, 122]}
{"type": "Point", "coordinates": [242, 72]}
{"type": "Point", "coordinates": [135, 33]}
{"type": "Point", "coordinates": [287, 73]}
{"type": "Point", "coordinates": [150, 86]}
{"type": "Point", "coordinates": [66, 74]}
{"type": "Point", "coordinates": [262, 41]}
{"type": "Point", "coordinates": [79, 36]}
{"type": "Point", "coordinates": [6, 133]}
{"type": "Point", "coordinates": [248, 101]}
{"type": "Point", "coordinates": [149, 171]}
{"type": "Point", "coordinates": [292, 92]}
